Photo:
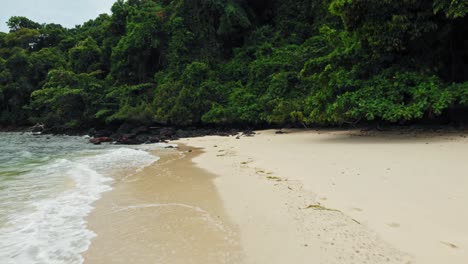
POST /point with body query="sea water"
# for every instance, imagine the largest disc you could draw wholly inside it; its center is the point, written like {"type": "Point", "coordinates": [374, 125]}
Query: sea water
{"type": "Point", "coordinates": [48, 185]}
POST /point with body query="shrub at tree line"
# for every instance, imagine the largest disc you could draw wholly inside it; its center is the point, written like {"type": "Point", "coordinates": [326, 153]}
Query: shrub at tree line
{"type": "Point", "coordinates": [239, 62]}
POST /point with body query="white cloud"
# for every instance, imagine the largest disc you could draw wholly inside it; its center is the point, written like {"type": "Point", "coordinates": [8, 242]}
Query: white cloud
{"type": "Point", "coordinates": [68, 13]}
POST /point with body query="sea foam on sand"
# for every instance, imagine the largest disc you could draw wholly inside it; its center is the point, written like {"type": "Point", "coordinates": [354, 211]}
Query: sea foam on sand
{"type": "Point", "coordinates": [54, 199]}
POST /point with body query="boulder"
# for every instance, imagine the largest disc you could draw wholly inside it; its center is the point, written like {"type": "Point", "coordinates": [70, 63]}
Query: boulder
{"type": "Point", "coordinates": [140, 130]}
{"type": "Point", "coordinates": [249, 133]}
{"type": "Point", "coordinates": [37, 128]}
{"type": "Point", "coordinates": [141, 139]}
{"type": "Point", "coordinates": [99, 140]}
{"type": "Point", "coordinates": [167, 132]}
{"type": "Point", "coordinates": [102, 133]}
{"type": "Point", "coordinates": [154, 139]}
{"type": "Point", "coordinates": [124, 140]}
{"type": "Point", "coordinates": [125, 128]}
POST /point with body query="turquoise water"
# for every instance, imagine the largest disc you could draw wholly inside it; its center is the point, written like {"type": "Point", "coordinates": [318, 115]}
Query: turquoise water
{"type": "Point", "coordinates": [47, 187]}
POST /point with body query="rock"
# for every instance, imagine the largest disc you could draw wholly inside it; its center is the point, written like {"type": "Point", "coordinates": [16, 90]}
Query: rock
{"type": "Point", "coordinates": [167, 132]}
{"type": "Point", "coordinates": [92, 132]}
{"type": "Point", "coordinates": [126, 141]}
{"type": "Point", "coordinates": [99, 140]}
{"type": "Point", "coordinates": [238, 137]}
{"type": "Point", "coordinates": [140, 139]}
{"type": "Point", "coordinates": [154, 139]}
{"type": "Point", "coordinates": [249, 133]}
{"type": "Point", "coordinates": [140, 130]}
{"type": "Point", "coordinates": [37, 128]}
{"type": "Point", "coordinates": [125, 128]}
{"type": "Point", "coordinates": [279, 132]}
{"type": "Point", "coordinates": [101, 133]}
{"type": "Point", "coordinates": [190, 151]}
{"type": "Point", "coordinates": [182, 133]}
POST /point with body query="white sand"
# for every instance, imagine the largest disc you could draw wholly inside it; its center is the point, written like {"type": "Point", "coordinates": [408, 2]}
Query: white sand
{"type": "Point", "coordinates": [403, 198]}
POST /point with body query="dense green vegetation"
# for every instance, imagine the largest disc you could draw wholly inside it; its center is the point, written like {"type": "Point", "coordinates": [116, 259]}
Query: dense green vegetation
{"type": "Point", "coordinates": [239, 62]}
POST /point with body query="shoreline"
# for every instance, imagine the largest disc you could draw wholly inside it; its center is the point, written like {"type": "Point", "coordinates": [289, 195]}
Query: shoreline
{"type": "Point", "coordinates": [300, 197]}
{"type": "Point", "coordinates": [172, 133]}
{"type": "Point", "coordinates": [169, 212]}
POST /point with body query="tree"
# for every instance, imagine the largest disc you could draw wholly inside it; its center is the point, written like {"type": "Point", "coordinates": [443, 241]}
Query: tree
{"type": "Point", "coordinates": [42, 62]}
{"type": "Point", "coordinates": [16, 23]}
{"type": "Point", "coordinates": [451, 8]}
{"type": "Point", "coordinates": [239, 62]}
{"type": "Point", "coordinates": [137, 55]}
{"type": "Point", "coordinates": [67, 100]}
{"type": "Point", "coordinates": [24, 38]}
{"type": "Point", "coordinates": [85, 57]}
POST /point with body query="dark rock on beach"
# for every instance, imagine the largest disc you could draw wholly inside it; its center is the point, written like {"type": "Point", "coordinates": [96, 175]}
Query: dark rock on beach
{"type": "Point", "coordinates": [100, 140]}
{"type": "Point", "coordinates": [127, 134]}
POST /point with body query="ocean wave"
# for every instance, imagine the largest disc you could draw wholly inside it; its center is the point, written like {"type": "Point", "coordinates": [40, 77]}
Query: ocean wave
{"type": "Point", "coordinates": [44, 212]}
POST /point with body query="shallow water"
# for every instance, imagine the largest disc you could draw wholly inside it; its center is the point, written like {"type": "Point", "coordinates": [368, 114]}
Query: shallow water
{"type": "Point", "coordinates": [47, 188]}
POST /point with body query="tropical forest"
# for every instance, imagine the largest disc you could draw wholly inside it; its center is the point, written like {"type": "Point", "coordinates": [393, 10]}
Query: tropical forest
{"type": "Point", "coordinates": [297, 63]}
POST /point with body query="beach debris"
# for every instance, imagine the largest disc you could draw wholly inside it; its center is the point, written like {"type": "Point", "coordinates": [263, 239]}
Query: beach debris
{"type": "Point", "coordinates": [451, 245]}
{"type": "Point", "coordinates": [274, 178]}
{"type": "Point", "coordinates": [320, 207]}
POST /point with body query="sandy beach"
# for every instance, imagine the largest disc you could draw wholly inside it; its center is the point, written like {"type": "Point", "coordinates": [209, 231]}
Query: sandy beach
{"type": "Point", "coordinates": [169, 212]}
{"type": "Point", "coordinates": [300, 197]}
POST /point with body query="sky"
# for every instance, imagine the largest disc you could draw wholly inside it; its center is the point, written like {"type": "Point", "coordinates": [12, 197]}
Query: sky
{"type": "Point", "coordinates": [68, 13]}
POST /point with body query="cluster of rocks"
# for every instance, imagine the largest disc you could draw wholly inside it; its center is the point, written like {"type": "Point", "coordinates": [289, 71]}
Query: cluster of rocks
{"type": "Point", "coordinates": [130, 135]}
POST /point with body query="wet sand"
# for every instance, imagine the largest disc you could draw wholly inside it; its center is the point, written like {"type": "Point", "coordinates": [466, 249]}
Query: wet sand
{"type": "Point", "coordinates": [170, 212]}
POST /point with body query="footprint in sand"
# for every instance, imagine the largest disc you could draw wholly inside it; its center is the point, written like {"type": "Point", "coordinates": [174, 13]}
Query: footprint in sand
{"type": "Point", "coordinates": [394, 225]}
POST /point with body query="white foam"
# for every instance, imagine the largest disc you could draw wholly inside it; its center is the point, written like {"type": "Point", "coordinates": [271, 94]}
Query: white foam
{"type": "Point", "coordinates": [51, 228]}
